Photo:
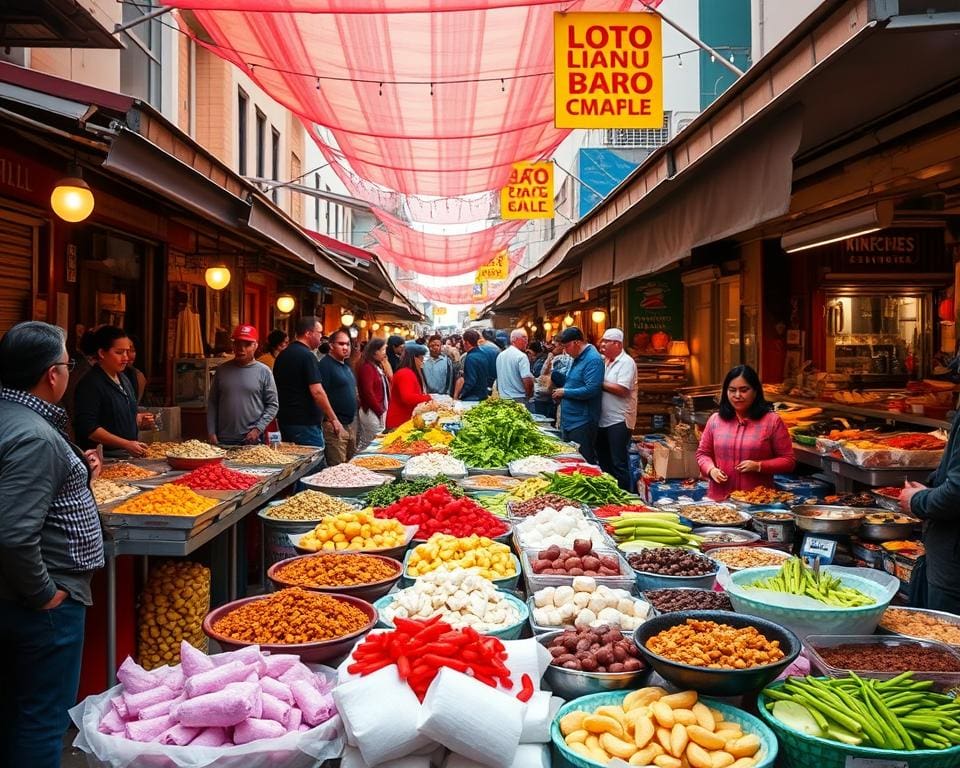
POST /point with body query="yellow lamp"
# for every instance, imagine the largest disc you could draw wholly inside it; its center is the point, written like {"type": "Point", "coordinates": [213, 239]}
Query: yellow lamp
{"type": "Point", "coordinates": [72, 199]}
{"type": "Point", "coordinates": [375, 326]}
{"type": "Point", "coordinates": [362, 323]}
{"type": "Point", "coordinates": [346, 319]}
{"type": "Point", "coordinates": [598, 316]}
{"type": "Point", "coordinates": [217, 277]}
{"type": "Point", "coordinates": [286, 303]}
{"type": "Point", "coordinates": [568, 320]}
{"type": "Point", "coordinates": [547, 326]}
{"type": "Point", "coordinates": [533, 329]}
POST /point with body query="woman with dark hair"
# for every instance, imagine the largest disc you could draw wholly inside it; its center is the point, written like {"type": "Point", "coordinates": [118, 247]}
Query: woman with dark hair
{"type": "Point", "coordinates": [746, 443]}
{"type": "Point", "coordinates": [137, 377]}
{"type": "Point", "coordinates": [408, 389]}
{"type": "Point", "coordinates": [373, 390]}
{"type": "Point", "coordinates": [105, 400]}
{"type": "Point", "coordinates": [277, 341]}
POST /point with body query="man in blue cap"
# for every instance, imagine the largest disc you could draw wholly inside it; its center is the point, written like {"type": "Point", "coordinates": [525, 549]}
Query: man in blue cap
{"type": "Point", "coordinates": [580, 392]}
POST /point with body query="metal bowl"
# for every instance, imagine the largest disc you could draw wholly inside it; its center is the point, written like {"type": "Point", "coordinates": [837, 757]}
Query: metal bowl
{"type": "Point", "coordinates": [369, 591]}
{"type": "Point", "coordinates": [823, 518]}
{"type": "Point", "coordinates": [394, 472]}
{"type": "Point", "coordinates": [322, 650]}
{"type": "Point", "coordinates": [654, 611]}
{"type": "Point", "coordinates": [181, 462]}
{"type": "Point", "coordinates": [947, 618]}
{"type": "Point", "coordinates": [740, 536]}
{"type": "Point", "coordinates": [717, 682]}
{"type": "Point", "coordinates": [572, 683]}
{"type": "Point", "coordinates": [345, 490]}
{"type": "Point", "coordinates": [889, 531]}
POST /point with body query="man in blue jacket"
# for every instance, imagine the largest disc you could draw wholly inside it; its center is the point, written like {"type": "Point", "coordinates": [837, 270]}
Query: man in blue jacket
{"type": "Point", "coordinates": [580, 392]}
{"type": "Point", "coordinates": [473, 383]}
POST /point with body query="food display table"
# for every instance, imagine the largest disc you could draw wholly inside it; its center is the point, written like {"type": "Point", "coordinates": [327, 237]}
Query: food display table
{"type": "Point", "coordinates": [154, 546]}
{"type": "Point", "coordinates": [844, 475]}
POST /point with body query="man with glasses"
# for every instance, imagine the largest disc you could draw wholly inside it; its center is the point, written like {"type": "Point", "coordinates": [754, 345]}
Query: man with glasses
{"type": "Point", "coordinates": [579, 392]}
{"type": "Point", "coordinates": [340, 384]}
{"type": "Point", "coordinates": [303, 401]}
{"type": "Point", "coordinates": [50, 545]}
{"type": "Point", "coordinates": [243, 396]}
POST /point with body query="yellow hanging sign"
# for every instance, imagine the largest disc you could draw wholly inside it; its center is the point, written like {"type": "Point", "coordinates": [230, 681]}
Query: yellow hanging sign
{"type": "Point", "coordinates": [497, 269]}
{"type": "Point", "coordinates": [472, 314]}
{"type": "Point", "coordinates": [439, 310]}
{"type": "Point", "coordinates": [529, 193]}
{"type": "Point", "coordinates": [608, 70]}
{"type": "Point", "coordinates": [479, 290]}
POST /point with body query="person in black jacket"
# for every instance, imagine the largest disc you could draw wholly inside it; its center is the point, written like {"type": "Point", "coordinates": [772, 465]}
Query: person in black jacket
{"type": "Point", "coordinates": [50, 544]}
{"type": "Point", "coordinates": [938, 506]}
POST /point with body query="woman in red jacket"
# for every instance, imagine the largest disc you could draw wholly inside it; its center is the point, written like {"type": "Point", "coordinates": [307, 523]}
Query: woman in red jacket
{"type": "Point", "coordinates": [746, 443]}
{"type": "Point", "coordinates": [408, 389]}
{"type": "Point", "coordinates": [372, 388]}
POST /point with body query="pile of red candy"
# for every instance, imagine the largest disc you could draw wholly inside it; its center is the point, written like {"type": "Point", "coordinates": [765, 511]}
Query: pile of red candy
{"type": "Point", "coordinates": [216, 477]}
{"type": "Point", "coordinates": [438, 511]}
{"type": "Point", "coordinates": [421, 648]}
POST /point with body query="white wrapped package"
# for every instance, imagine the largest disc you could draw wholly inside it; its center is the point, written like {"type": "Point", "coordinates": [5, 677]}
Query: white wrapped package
{"type": "Point", "coordinates": [249, 654]}
{"type": "Point", "coordinates": [316, 707]}
{"type": "Point", "coordinates": [525, 657]}
{"type": "Point", "coordinates": [353, 758]}
{"type": "Point", "coordinates": [254, 728]}
{"type": "Point", "coordinates": [278, 663]}
{"type": "Point", "coordinates": [538, 716]}
{"type": "Point", "coordinates": [472, 719]}
{"type": "Point", "coordinates": [380, 713]}
{"type": "Point", "coordinates": [527, 756]}
{"type": "Point", "coordinates": [275, 709]}
{"type": "Point", "coordinates": [179, 735]}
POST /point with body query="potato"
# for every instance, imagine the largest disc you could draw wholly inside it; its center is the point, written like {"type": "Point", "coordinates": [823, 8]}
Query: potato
{"type": "Point", "coordinates": [580, 748]}
{"type": "Point", "coordinates": [704, 716]}
{"type": "Point", "coordinates": [682, 700]}
{"type": "Point", "coordinates": [667, 761]}
{"type": "Point", "coordinates": [642, 697]}
{"type": "Point", "coordinates": [721, 759]}
{"type": "Point", "coordinates": [698, 756]}
{"type": "Point", "coordinates": [616, 747]}
{"type": "Point", "coordinates": [678, 740]}
{"type": "Point", "coordinates": [745, 762]}
{"type": "Point", "coordinates": [643, 731]}
{"type": "Point", "coordinates": [684, 716]}
{"type": "Point", "coordinates": [578, 736]}
{"type": "Point", "coordinates": [663, 713]}
{"type": "Point", "coordinates": [645, 756]}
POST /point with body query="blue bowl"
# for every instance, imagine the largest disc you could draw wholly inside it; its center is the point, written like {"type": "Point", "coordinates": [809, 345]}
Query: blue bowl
{"type": "Point", "coordinates": [511, 632]}
{"type": "Point", "coordinates": [563, 757]}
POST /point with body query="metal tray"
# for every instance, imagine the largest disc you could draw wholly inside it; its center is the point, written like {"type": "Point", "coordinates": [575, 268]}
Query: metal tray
{"type": "Point", "coordinates": [158, 534]}
{"type": "Point", "coordinates": [519, 546]}
{"type": "Point", "coordinates": [824, 518]}
{"type": "Point", "coordinates": [535, 581]}
{"type": "Point", "coordinates": [228, 501]}
{"type": "Point", "coordinates": [539, 629]}
{"type": "Point", "coordinates": [947, 618]}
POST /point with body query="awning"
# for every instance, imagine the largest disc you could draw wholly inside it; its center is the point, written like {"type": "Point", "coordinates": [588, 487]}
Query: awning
{"type": "Point", "coordinates": [55, 24]}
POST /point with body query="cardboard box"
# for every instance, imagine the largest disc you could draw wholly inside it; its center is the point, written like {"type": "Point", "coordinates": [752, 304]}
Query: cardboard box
{"type": "Point", "coordinates": [671, 460]}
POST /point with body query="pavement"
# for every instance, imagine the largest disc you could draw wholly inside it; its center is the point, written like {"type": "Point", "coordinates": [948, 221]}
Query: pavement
{"type": "Point", "coordinates": [72, 758]}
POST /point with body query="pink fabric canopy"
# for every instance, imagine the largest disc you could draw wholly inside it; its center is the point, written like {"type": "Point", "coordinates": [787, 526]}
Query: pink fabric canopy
{"type": "Point", "coordinates": [424, 98]}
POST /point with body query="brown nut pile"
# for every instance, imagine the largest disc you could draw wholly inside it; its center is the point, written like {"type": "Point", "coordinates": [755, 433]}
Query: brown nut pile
{"type": "Point", "coordinates": [595, 649]}
{"type": "Point", "coordinates": [335, 570]}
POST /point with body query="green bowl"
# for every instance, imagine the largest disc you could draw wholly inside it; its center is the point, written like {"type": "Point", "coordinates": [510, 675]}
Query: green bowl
{"type": "Point", "coordinates": [511, 632]}
{"type": "Point", "coordinates": [563, 757]}
{"type": "Point", "coordinates": [802, 751]}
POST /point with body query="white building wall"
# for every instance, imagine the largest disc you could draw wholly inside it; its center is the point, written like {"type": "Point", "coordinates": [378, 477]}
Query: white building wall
{"type": "Point", "coordinates": [772, 20]}
{"type": "Point", "coordinates": [325, 217]}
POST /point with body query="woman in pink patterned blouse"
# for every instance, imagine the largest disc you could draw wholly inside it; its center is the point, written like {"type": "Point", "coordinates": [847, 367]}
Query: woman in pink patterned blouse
{"type": "Point", "coordinates": [745, 444]}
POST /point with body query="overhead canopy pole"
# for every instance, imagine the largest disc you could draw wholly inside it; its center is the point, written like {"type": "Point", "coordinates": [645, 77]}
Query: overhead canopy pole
{"type": "Point", "coordinates": [719, 57]}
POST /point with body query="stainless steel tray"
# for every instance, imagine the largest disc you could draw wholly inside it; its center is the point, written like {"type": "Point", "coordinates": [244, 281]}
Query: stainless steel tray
{"type": "Point", "coordinates": [947, 618]}
{"type": "Point", "coordinates": [824, 518]}
{"type": "Point", "coordinates": [227, 502]}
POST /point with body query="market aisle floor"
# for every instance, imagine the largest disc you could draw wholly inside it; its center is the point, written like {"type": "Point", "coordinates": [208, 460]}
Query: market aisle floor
{"type": "Point", "coordinates": [72, 758]}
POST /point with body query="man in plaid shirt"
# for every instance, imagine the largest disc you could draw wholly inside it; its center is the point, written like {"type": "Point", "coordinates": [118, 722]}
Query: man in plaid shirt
{"type": "Point", "coordinates": [50, 544]}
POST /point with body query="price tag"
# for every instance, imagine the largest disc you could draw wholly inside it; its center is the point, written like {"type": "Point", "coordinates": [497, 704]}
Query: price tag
{"type": "Point", "coordinates": [814, 546]}
{"type": "Point", "coordinates": [866, 762]}
{"type": "Point", "coordinates": [776, 533]}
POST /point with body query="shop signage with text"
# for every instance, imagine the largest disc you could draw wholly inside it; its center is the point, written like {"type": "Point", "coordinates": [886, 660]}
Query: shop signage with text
{"type": "Point", "coordinates": [608, 70]}
{"type": "Point", "coordinates": [439, 310]}
{"type": "Point", "coordinates": [479, 290]}
{"type": "Point", "coordinates": [497, 269]}
{"type": "Point", "coordinates": [529, 193]}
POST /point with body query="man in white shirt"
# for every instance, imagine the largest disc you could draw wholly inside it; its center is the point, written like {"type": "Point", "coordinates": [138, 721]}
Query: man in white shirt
{"type": "Point", "coordinates": [514, 379]}
{"type": "Point", "coordinates": [618, 408]}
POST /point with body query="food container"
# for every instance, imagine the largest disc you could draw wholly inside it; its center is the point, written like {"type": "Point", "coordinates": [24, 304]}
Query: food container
{"type": "Point", "coordinates": [519, 544]}
{"type": "Point", "coordinates": [822, 518]}
{"type": "Point", "coordinates": [890, 530]}
{"type": "Point", "coordinates": [725, 537]}
{"type": "Point", "coordinates": [323, 650]}
{"type": "Point", "coordinates": [564, 756]}
{"type": "Point", "coordinates": [725, 555]}
{"type": "Point", "coordinates": [504, 538]}
{"type": "Point", "coordinates": [180, 462]}
{"type": "Point", "coordinates": [345, 490]}
{"type": "Point", "coordinates": [811, 620]}
{"type": "Point", "coordinates": [506, 584]}
{"type": "Point", "coordinates": [392, 471]}
{"type": "Point", "coordinates": [802, 751]}
{"type": "Point", "coordinates": [516, 470]}
{"type": "Point", "coordinates": [504, 483]}
{"type": "Point", "coordinates": [696, 515]}
{"type": "Point", "coordinates": [511, 632]}
{"type": "Point", "coordinates": [393, 552]}
{"type": "Point", "coordinates": [459, 475]}
{"type": "Point", "coordinates": [369, 591]}
{"type": "Point", "coordinates": [815, 643]}
{"type": "Point", "coordinates": [886, 502]}
{"type": "Point", "coordinates": [536, 581]}
{"type": "Point", "coordinates": [654, 611]}
{"type": "Point", "coordinates": [646, 580]}
{"type": "Point", "coordinates": [774, 525]}
{"type": "Point", "coordinates": [573, 683]}
{"type": "Point", "coordinates": [923, 613]}
{"type": "Point", "coordinates": [867, 552]}
{"type": "Point", "coordinates": [718, 682]}
{"type": "Point", "coordinates": [539, 629]}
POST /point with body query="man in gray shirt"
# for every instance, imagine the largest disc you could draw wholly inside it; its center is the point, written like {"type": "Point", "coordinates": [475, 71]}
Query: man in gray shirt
{"type": "Point", "coordinates": [514, 380]}
{"type": "Point", "coordinates": [243, 396]}
{"type": "Point", "coordinates": [437, 369]}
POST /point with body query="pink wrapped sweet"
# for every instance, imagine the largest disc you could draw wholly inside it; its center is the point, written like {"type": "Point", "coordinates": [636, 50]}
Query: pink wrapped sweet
{"type": "Point", "coordinates": [210, 737]}
{"type": "Point", "coordinates": [254, 729]}
{"type": "Point", "coordinates": [158, 709]}
{"type": "Point", "coordinates": [193, 661]}
{"type": "Point", "coordinates": [137, 701]}
{"type": "Point", "coordinates": [111, 722]}
{"type": "Point", "coordinates": [249, 654]}
{"type": "Point", "coordinates": [316, 707]}
{"type": "Point", "coordinates": [235, 703]}
{"type": "Point", "coordinates": [277, 689]}
{"type": "Point", "coordinates": [299, 671]}
{"type": "Point", "coordinates": [148, 730]}
{"type": "Point", "coordinates": [278, 663]}
{"type": "Point", "coordinates": [120, 707]}
{"type": "Point", "coordinates": [303, 727]}
{"type": "Point", "coordinates": [175, 679]}
{"type": "Point", "coordinates": [216, 679]}
{"type": "Point", "coordinates": [275, 709]}
{"type": "Point", "coordinates": [179, 735]}
{"type": "Point", "coordinates": [135, 678]}
{"type": "Point", "coordinates": [296, 718]}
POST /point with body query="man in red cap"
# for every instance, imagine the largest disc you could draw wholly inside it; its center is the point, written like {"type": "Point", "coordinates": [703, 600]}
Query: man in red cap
{"type": "Point", "coordinates": [243, 395]}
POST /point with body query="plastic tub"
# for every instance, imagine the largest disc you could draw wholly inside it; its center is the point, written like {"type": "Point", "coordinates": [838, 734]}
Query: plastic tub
{"type": "Point", "coordinates": [563, 756]}
{"type": "Point", "coordinates": [507, 583]}
{"type": "Point", "coordinates": [536, 581]}
{"type": "Point", "coordinates": [394, 552]}
{"type": "Point", "coordinates": [511, 632]}
{"type": "Point", "coordinates": [539, 629]}
{"type": "Point", "coordinates": [814, 643]}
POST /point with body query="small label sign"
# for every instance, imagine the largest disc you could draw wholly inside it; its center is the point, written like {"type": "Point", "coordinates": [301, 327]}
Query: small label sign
{"type": "Point", "coordinates": [814, 547]}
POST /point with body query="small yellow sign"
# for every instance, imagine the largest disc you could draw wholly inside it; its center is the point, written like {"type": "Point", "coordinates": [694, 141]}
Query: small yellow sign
{"type": "Point", "coordinates": [497, 269]}
{"type": "Point", "coordinates": [608, 70]}
{"type": "Point", "coordinates": [439, 310]}
{"type": "Point", "coordinates": [479, 290]}
{"type": "Point", "coordinates": [529, 193]}
{"type": "Point", "coordinates": [472, 314]}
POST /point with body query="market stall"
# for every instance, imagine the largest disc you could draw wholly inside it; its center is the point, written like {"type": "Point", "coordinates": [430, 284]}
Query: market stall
{"type": "Point", "coordinates": [502, 603]}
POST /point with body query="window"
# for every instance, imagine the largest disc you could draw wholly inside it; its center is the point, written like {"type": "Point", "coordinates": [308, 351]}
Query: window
{"type": "Point", "coordinates": [326, 221]}
{"type": "Point", "coordinates": [140, 59]}
{"type": "Point", "coordinates": [639, 138]}
{"type": "Point", "coordinates": [275, 161]}
{"type": "Point", "coordinates": [316, 203]}
{"type": "Point", "coordinates": [261, 145]}
{"type": "Point", "coordinates": [242, 102]}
